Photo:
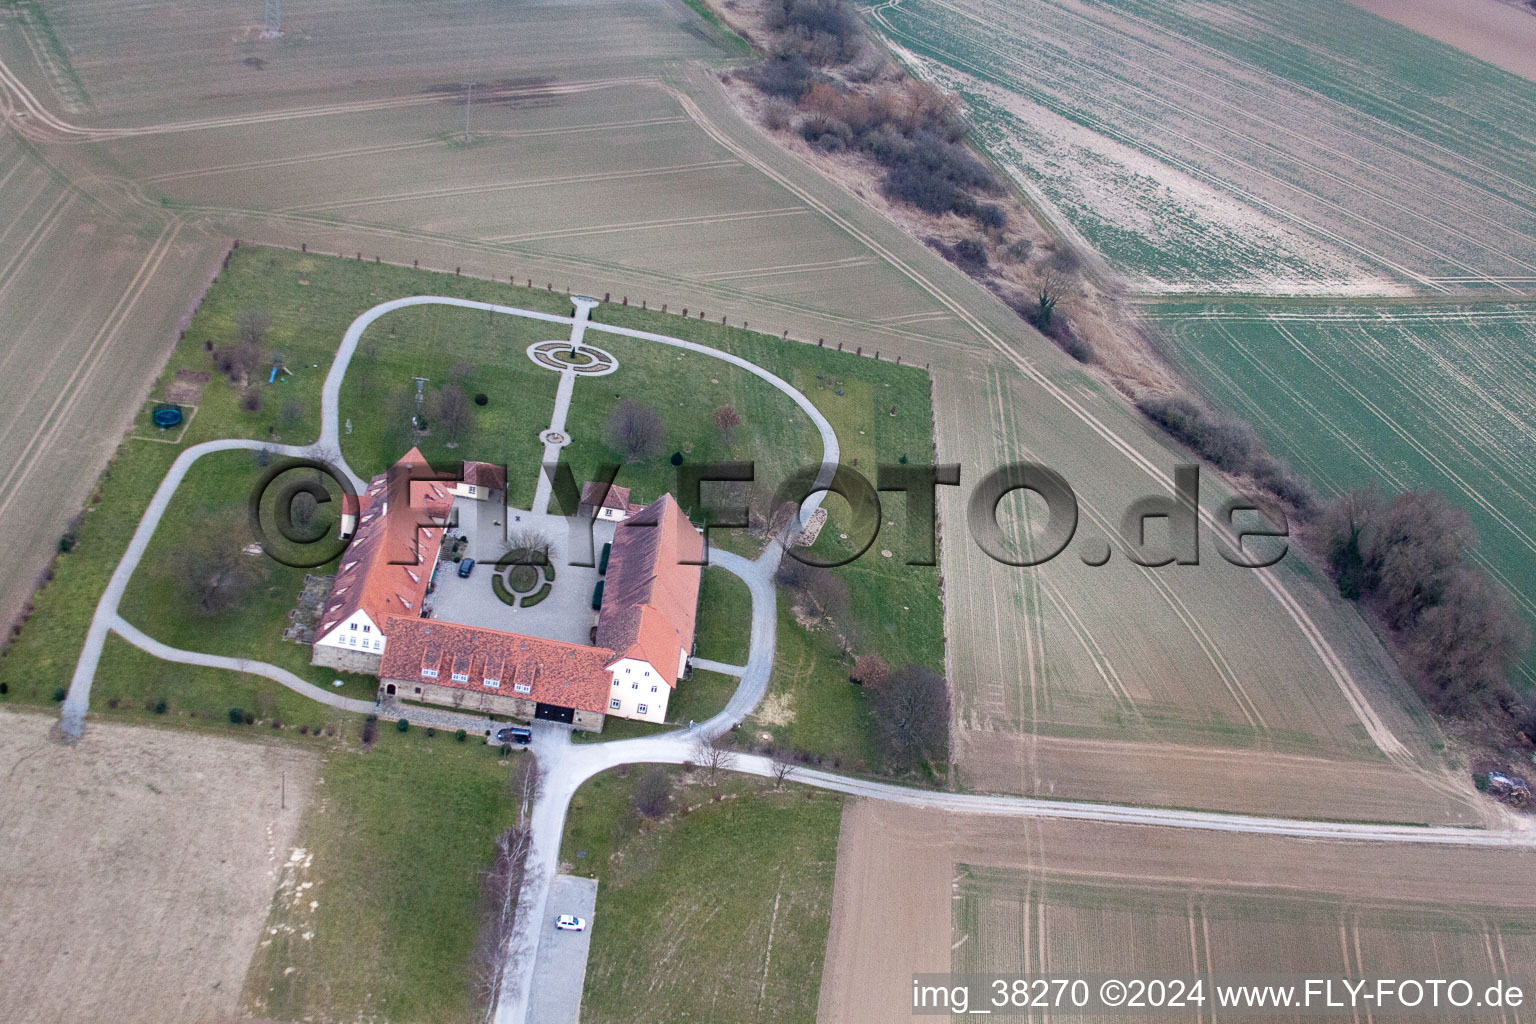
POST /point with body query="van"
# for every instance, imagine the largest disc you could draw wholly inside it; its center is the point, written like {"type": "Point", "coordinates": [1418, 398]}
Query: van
{"type": "Point", "coordinates": [515, 734]}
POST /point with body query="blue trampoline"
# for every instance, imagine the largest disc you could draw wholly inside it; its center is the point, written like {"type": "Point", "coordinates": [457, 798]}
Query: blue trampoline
{"type": "Point", "coordinates": [166, 417]}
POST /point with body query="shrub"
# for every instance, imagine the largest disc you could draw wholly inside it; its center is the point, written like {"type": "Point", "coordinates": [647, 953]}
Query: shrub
{"type": "Point", "coordinates": [431, 732]}
{"type": "Point", "coordinates": [113, 703]}
{"type": "Point", "coordinates": [787, 76]}
{"type": "Point", "coordinates": [1228, 444]}
{"type": "Point", "coordinates": [969, 253]}
{"type": "Point", "coordinates": [1020, 249]}
{"type": "Point", "coordinates": [5, 688]}
{"type": "Point", "coordinates": [461, 735]}
{"type": "Point", "coordinates": [250, 718]}
{"type": "Point", "coordinates": [402, 725]}
{"type": "Point", "coordinates": [481, 398]}
{"type": "Point", "coordinates": [990, 215]}
{"type": "Point", "coordinates": [1480, 780]}
{"type": "Point", "coordinates": [370, 730]}
{"type": "Point", "coordinates": [59, 694]}
{"type": "Point", "coordinates": [160, 707]}
{"type": "Point", "coordinates": [777, 114]}
{"type": "Point", "coordinates": [653, 792]}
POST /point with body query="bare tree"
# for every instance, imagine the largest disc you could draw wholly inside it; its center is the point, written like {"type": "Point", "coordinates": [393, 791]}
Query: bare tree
{"type": "Point", "coordinates": [532, 540]}
{"type": "Point", "coordinates": [252, 326]}
{"type": "Point", "coordinates": [782, 769]}
{"type": "Point", "coordinates": [500, 892]}
{"type": "Point", "coordinates": [727, 419]}
{"type": "Point", "coordinates": [653, 792]}
{"type": "Point", "coordinates": [635, 429]}
{"type": "Point", "coordinates": [714, 754]}
{"type": "Point", "coordinates": [450, 411]}
{"type": "Point", "coordinates": [1465, 645]}
{"type": "Point", "coordinates": [912, 712]}
{"type": "Point", "coordinates": [870, 670]}
{"type": "Point", "coordinates": [1052, 284]}
{"type": "Point", "coordinates": [219, 575]}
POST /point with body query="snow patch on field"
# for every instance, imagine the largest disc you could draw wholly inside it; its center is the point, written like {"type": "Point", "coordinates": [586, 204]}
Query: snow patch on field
{"type": "Point", "coordinates": [1166, 230]}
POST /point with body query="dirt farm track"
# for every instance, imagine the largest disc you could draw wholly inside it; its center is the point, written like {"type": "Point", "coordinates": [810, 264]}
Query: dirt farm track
{"type": "Point", "coordinates": [140, 867]}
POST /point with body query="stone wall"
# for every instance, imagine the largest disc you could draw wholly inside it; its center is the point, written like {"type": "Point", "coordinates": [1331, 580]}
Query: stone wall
{"type": "Point", "coordinates": [345, 659]}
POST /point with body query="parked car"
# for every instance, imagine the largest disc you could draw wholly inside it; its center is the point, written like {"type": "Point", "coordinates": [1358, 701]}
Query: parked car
{"type": "Point", "coordinates": [466, 566]}
{"type": "Point", "coordinates": [515, 734]}
{"type": "Point", "coordinates": [571, 923]}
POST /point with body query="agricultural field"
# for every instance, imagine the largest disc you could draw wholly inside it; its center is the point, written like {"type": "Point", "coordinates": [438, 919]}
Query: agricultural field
{"type": "Point", "coordinates": [1247, 147]}
{"type": "Point", "coordinates": [716, 911]}
{"type": "Point", "coordinates": [1070, 678]}
{"type": "Point", "coordinates": [929, 892]}
{"type": "Point", "coordinates": [139, 868]}
{"type": "Point", "coordinates": [1402, 397]}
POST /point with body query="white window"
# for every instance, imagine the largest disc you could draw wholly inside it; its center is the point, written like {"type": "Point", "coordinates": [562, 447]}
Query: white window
{"type": "Point", "coordinates": [647, 675]}
{"type": "Point", "coordinates": [494, 684]}
{"type": "Point", "coordinates": [460, 677]}
{"type": "Point", "coordinates": [641, 709]}
{"type": "Point", "coordinates": [628, 668]}
{"type": "Point", "coordinates": [367, 629]}
{"type": "Point", "coordinates": [353, 626]}
{"type": "Point", "coordinates": [614, 703]}
{"type": "Point", "coordinates": [428, 673]}
{"type": "Point", "coordinates": [615, 682]}
{"type": "Point", "coordinates": [522, 687]}
{"type": "Point", "coordinates": [653, 689]}
{"type": "Point", "coordinates": [634, 686]}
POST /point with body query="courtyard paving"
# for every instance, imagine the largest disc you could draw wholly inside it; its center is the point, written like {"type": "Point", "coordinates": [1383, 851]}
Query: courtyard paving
{"type": "Point", "coordinates": [566, 614]}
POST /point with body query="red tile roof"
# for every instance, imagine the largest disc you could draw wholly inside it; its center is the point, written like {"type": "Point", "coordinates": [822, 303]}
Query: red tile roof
{"type": "Point", "coordinates": [386, 568]}
{"type": "Point", "coordinates": [486, 474]}
{"type": "Point", "coordinates": [568, 675]}
{"type": "Point", "coordinates": [617, 497]}
{"type": "Point", "coordinates": [650, 598]}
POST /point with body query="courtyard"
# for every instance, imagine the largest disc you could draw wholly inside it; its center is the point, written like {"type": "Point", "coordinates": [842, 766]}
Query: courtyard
{"type": "Point", "coordinates": [565, 614]}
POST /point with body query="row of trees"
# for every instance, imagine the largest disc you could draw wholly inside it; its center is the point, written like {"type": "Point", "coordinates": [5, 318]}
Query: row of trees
{"type": "Point", "coordinates": [1405, 560]}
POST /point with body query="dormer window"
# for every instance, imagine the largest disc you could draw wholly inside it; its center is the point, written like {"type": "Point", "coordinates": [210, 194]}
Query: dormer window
{"type": "Point", "coordinates": [460, 677]}
{"type": "Point", "coordinates": [522, 688]}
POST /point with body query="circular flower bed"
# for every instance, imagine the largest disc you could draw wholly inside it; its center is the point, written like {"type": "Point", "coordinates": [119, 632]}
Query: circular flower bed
{"type": "Point", "coordinates": [522, 579]}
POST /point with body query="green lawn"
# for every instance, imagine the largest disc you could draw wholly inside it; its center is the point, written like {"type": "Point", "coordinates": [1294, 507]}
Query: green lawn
{"type": "Point", "coordinates": [687, 907]}
{"type": "Point", "coordinates": [811, 706]}
{"type": "Point", "coordinates": [480, 353]}
{"type": "Point", "coordinates": [723, 629]}
{"type": "Point", "coordinates": [395, 842]}
{"type": "Point", "coordinates": [212, 499]}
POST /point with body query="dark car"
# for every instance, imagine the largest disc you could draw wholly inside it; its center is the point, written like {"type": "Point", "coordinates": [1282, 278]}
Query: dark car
{"type": "Point", "coordinates": [515, 734]}
{"type": "Point", "coordinates": [466, 566]}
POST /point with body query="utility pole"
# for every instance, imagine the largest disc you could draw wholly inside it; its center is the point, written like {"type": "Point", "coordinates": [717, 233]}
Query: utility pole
{"type": "Point", "coordinates": [469, 98]}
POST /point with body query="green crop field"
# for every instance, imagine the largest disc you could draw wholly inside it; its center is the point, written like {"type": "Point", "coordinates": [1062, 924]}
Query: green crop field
{"type": "Point", "coordinates": [1397, 396]}
{"type": "Point", "coordinates": [1262, 146]}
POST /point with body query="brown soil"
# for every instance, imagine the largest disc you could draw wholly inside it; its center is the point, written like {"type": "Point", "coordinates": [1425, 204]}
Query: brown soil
{"type": "Point", "coordinates": [140, 867]}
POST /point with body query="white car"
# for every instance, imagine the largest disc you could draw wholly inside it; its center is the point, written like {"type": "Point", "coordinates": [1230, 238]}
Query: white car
{"type": "Point", "coordinates": [571, 923]}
